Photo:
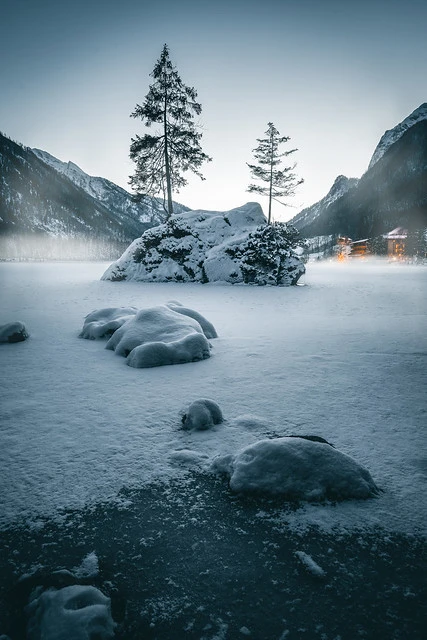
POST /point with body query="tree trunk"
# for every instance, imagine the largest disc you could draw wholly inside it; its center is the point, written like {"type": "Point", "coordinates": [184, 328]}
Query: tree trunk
{"type": "Point", "coordinates": [167, 166]}
{"type": "Point", "coordinates": [270, 195]}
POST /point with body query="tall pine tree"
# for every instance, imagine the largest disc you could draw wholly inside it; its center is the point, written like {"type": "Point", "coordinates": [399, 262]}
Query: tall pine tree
{"type": "Point", "coordinates": [162, 159]}
{"type": "Point", "coordinates": [280, 182]}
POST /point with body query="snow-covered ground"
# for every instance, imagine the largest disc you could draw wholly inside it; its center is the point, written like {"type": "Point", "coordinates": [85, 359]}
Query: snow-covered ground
{"type": "Point", "coordinates": [343, 357]}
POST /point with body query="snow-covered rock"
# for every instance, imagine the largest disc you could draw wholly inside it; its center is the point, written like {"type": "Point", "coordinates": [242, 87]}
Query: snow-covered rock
{"type": "Point", "coordinates": [392, 135]}
{"type": "Point", "coordinates": [296, 468]}
{"type": "Point", "coordinates": [207, 327]}
{"type": "Point", "coordinates": [72, 613]}
{"type": "Point", "coordinates": [310, 565]}
{"type": "Point", "coordinates": [104, 322]}
{"type": "Point", "coordinates": [89, 567]}
{"type": "Point", "coordinates": [201, 415]}
{"type": "Point", "coordinates": [159, 336]}
{"type": "Point", "coordinates": [212, 246]}
{"type": "Point", "coordinates": [13, 332]}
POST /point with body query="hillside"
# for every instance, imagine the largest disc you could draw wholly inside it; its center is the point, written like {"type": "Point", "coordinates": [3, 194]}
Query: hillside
{"type": "Point", "coordinates": [393, 192]}
{"type": "Point", "coordinates": [50, 209]}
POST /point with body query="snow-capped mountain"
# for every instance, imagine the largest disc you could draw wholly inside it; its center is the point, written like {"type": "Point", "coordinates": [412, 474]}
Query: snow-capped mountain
{"type": "Point", "coordinates": [148, 211]}
{"type": "Point", "coordinates": [42, 197]}
{"type": "Point", "coordinates": [392, 192]}
{"type": "Point", "coordinates": [392, 135]}
{"type": "Point", "coordinates": [307, 216]}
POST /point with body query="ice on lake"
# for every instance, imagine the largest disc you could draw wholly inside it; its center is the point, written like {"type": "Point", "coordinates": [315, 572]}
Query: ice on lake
{"type": "Point", "coordinates": [343, 357]}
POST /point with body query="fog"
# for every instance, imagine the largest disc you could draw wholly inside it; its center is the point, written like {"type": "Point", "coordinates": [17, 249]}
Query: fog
{"type": "Point", "coordinates": [47, 248]}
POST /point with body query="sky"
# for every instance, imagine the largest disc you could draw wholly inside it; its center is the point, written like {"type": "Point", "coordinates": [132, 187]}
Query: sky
{"type": "Point", "coordinates": [332, 75]}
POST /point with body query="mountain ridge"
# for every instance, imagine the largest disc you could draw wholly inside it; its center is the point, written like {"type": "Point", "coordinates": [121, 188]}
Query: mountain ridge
{"type": "Point", "coordinates": [392, 192]}
{"type": "Point", "coordinates": [43, 198]}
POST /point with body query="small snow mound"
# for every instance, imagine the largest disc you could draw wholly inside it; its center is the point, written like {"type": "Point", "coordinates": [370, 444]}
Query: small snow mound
{"type": "Point", "coordinates": [72, 613]}
{"type": "Point", "coordinates": [201, 415]}
{"type": "Point", "coordinates": [160, 336]}
{"type": "Point", "coordinates": [188, 457]}
{"type": "Point", "coordinates": [89, 567]}
{"type": "Point", "coordinates": [249, 421]}
{"type": "Point", "coordinates": [311, 566]}
{"type": "Point", "coordinates": [298, 469]}
{"type": "Point", "coordinates": [104, 322]}
{"type": "Point", "coordinates": [13, 332]}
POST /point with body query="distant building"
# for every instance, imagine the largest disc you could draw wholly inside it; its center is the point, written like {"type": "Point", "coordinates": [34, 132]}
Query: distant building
{"type": "Point", "coordinates": [343, 248]}
{"type": "Point", "coordinates": [396, 241]}
{"type": "Point", "coordinates": [359, 248]}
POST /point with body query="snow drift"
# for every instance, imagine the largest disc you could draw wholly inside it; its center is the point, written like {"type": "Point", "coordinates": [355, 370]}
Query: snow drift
{"type": "Point", "coordinates": [166, 334]}
{"type": "Point", "coordinates": [298, 469]}
{"type": "Point", "coordinates": [211, 246]}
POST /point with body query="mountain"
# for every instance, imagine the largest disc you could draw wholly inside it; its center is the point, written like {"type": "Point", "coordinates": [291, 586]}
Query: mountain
{"type": "Point", "coordinates": [308, 215]}
{"type": "Point", "coordinates": [148, 212]}
{"type": "Point", "coordinates": [390, 136]}
{"type": "Point", "coordinates": [392, 193]}
{"type": "Point", "coordinates": [43, 197]}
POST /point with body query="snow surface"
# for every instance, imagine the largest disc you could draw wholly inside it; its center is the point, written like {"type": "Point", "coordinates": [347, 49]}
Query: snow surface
{"type": "Point", "coordinates": [72, 613]}
{"type": "Point", "coordinates": [296, 468]}
{"type": "Point", "coordinates": [343, 358]}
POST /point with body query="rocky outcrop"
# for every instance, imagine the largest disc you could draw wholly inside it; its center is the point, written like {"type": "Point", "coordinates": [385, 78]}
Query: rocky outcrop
{"type": "Point", "coordinates": [211, 246]}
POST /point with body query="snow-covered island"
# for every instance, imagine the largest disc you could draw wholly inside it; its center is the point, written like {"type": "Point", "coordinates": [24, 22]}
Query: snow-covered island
{"type": "Point", "coordinates": [235, 246]}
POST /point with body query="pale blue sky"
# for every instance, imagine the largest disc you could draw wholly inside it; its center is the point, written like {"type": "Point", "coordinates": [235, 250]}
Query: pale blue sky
{"type": "Point", "coordinates": [332, 75]}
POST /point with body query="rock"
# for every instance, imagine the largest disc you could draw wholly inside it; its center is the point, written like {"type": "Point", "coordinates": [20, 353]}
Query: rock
{"type": "Point", "coordinates": [201, 415]}
{"type": "Point", "coordinates": [13, 332]}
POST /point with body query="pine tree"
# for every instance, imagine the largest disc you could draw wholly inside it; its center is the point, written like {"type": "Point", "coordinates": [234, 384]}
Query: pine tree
{"type": "Point", "coordinates": [162, 158]}
{"type": "Point", "coordinates": [281, 182]}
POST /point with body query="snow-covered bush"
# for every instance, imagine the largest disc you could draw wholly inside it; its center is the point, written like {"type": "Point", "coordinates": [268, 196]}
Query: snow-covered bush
{"type": "Point", "coordinates": [159, 336]}
{"type": "Point", "coordinates": [104, 322]}
{"type": "Point", "coordinates": [201, 415]}
{"type": "Point", "coordinates": [72, 613]}
{"type": "Point", "coordinates": [268, 255]}
{"type": "Point", "coordinates": [296, 468]}
{"type": "Point", "coordinates": [13, 332]}
{"type": "Point", "coordinates": [211, 246]}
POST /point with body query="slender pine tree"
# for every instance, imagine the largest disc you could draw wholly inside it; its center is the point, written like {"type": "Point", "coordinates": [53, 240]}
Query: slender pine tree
{"type": "Point", "coordinates": [162, 159]}
{"type": "Point", "coordinates": [281, 182]}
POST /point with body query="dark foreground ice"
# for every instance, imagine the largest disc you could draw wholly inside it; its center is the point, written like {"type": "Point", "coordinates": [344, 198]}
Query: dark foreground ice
{"type": "Point", "coordinates": [188, 559]}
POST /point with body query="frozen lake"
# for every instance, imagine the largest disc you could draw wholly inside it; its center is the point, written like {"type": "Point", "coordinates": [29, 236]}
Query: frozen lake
{"type": "Point", "coordinates": [94, 461]}
{"type": "Point", "coordinates": [343, 357]}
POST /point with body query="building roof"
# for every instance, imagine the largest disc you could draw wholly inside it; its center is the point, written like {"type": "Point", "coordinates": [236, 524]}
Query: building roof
{"type": "Point", "coordinates": [396, 234]}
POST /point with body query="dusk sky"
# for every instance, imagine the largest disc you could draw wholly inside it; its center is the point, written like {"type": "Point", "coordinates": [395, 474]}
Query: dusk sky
{"type": "Point", "coordinates": [333, 75]}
